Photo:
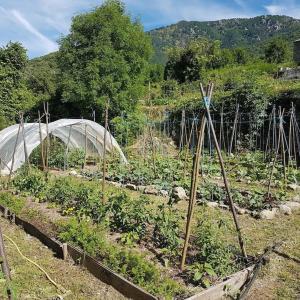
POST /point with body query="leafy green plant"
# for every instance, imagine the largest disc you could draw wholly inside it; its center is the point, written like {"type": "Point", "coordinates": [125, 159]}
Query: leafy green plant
{"type": "Point", "coordinates": [15, 204]}
{"type": "Point", "coordinates": [30, 180]}
{"type": "Point", "coordinates": [128, 215]}
{"type": "Point", "coordinates": [214, 257]}
{"type": "Point", "coordinates": [166, 232]}
{"type": "Point", "coordinates": [132, 265]}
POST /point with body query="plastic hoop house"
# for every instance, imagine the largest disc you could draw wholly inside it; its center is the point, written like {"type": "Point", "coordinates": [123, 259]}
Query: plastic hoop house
{"type": "Point", "coordinates": [75, 133]}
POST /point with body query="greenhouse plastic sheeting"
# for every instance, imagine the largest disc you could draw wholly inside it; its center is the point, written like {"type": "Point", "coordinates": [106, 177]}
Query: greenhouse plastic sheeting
{"type": "Point", "coordinates": [75, 133]}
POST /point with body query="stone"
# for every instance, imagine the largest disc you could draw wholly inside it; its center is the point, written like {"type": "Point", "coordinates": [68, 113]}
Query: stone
{"type": "Point", "coordinates": [79, 176]}
{"type": "Point", "coordinates": [212, 204]}
{"type": "Point", "coordinates": [294, 187]}
{"type": "Point", "coordinates": [240, 211]}
{"type": "Point", "coordinates": [224, 206]}
{"type": "Point", "coordinates": [268, 214]}
{"type": "Point", "coordinates": [296, 198]}
{"type": "Point", "coordinates": [151, 190]}
{"type": "Point", "coordinates": [164, 193]}
{"type": "Point", "coordinates": [293, 205]}
{"type": "Point", "coordinates": [178, 193]}
{"type": "Point", "coordinates": [141, 188]}
{"type": "Point", "coordinates": [73, 173]}
{"type": "Point", "coordinates": [131, 186]}
{"type": "Point", "coordinates": [284, 209]}
{"type": "Point", "coordinates": [116, 184]}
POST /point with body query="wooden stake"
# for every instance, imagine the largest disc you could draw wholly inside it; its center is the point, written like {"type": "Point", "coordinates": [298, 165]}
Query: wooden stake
{"type": "Point", "coordinates": [231, 204]}
{"type": "Point", "coordinates": [85, 147]}
{"type": "Point", "coordinates": [41, 142]}
{"type": "Point", "coordinates": [14, 152]}
{"type": "Point", "coordinates": [47, 153]}
{"type": "Point", "coordinates": [104, 152]}
{"type": "Point", "coordinates": [5, 267]}
{"type": "Point", "coordinates": [234, 129]}
{"type": "Point", "coordinates": [193, 189]}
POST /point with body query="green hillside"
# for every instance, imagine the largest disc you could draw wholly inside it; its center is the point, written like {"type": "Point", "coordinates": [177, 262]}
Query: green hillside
{"type": "Point", "coordinates": [249, 33]}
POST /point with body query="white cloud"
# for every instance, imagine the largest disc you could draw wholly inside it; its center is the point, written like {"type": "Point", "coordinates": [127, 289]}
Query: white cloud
{"type": "Point", "coordinates": [49, 45]}
{"type": "Point", "coordinates": [39, 23]}
{"type": "Point", "coordinates": [284, 7]}
{"type": "Point", "coordinates": [274, 9]}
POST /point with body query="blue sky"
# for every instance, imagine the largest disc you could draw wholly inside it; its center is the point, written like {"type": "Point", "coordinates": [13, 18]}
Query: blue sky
{"type": "Point", "coordinates": [38, 24]}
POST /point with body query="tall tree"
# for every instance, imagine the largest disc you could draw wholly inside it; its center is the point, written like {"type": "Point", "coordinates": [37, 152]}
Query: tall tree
{"type": "Point", "coordinates": [277, 51]}
{"type": "Point", "coordinates": [105, 56]}
{"type": "Point", "coordinates": [14, 95]}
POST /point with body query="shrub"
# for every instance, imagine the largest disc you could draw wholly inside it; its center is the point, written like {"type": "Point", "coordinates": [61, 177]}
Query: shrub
{"type": "Point", "coordinates": [128, 215]}
{"type": "Point", "coordinates": [13, 203]}
{"type": "Point", "coordinates": [166, 232]}
{"type": "Point", "coordinates": [30, 180]}
{"type": "Point", "coordinates": [214, 256]}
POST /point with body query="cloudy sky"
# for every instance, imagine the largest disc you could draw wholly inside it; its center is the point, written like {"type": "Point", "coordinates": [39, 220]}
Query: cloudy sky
{"type": "Point", "coordinates": [38, 24]}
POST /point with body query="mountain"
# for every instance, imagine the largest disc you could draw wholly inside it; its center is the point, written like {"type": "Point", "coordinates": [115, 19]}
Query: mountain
{"type": "Point", "coordinates": [239, 32]}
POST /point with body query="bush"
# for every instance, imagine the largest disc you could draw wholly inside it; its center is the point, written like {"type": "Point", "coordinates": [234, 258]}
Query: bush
{"type": "Point", "coordinates": [15, 204]}
{"type": "Point", "coordinates": [128, 215]}
{"type": "Point", "coordinates": [214, 257]}
{"type": "Point", "coordinates": [127, 128]}
{"type": "Point", "coordinates": [166, 232]}
{"type": "Point", "coordinates": [30, 180]}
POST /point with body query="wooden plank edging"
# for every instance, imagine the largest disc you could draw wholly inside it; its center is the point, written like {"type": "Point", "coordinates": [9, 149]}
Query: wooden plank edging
{"type": "Point", "coordinates": [229, 286]}
{"type": "Point", "coordinates": [96, 268]}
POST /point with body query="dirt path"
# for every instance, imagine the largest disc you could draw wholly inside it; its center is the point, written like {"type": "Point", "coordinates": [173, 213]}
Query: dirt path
{"type": "Point", "coordinates": [30, 283]}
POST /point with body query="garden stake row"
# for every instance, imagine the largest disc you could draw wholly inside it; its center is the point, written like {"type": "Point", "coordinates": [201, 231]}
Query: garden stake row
{"type": "Point", "coordinates": [231, 205]}
{"type": "Point", "coordinates": [5, 267]}
{"type": "Point", "coordinates": [280, 142]}
{"type": "Point", "coordinates": [194, 184]}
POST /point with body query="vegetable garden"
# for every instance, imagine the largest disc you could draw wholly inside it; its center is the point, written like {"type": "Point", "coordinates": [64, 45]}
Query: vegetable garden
{"type": "Point", "coordinates": [135, 222]}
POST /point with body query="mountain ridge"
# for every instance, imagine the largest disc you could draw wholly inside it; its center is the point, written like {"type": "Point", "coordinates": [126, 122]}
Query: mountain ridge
{"type": "Point", "coordinates": [250, 33]}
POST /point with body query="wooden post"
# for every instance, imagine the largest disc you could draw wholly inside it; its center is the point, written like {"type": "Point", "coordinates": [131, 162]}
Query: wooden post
{"type": "Point", "coordinates": [193, 190]}
{"type": "Point", "coordinates": [234, 129]}
{"type": "Point", "coordinates": [24, 140]}
{"type": "Point", "coordinates": [5, 267]}
{"type": "Point", "coordinates": [85, 146]}
{"type": "Point", "coordinates": [104, 152]}
{"type": "Point", "coordinates": [194, 183]}
{"type": "Point", "coordinates": [67, 149]}
{"type": "Point", "coordinates": [47, 153]}
{"type": "Point", "coordinates": [14, 152]}
{"type": "Point", "coordinates": [41, 142]}
{"type": "Point", "coordinates": [231, 204]}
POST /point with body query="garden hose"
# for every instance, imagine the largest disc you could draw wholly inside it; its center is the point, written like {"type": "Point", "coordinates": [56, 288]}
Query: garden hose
{"type": "Point", "coordinates": [59, 287]}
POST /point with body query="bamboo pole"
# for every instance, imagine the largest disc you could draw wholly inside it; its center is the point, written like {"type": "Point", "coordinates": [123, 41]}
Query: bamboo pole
{"type": "Point", "coordinates": [47, 153]}
{"type": "Point", "coordinates": [194, 182]}
{"type": "Point", "coordinates": [234, 129]}
{"type": "Point", "coordinates": [66, 164]}
{"type": "Point", "coordinates": [24, 140]}
{"type": "Point", "coordinates": [231, 204]}
{"type": "Point", "coordinates": [85, 146]}
{"type": "Point", "coordinates": [41, 142]}
{"type": "Point", "coordinates": [5, 267]}
{"type": "Point", "coordinates": [104, 152]}
{"type": "Point", "coordinates": [193, 190]}
{"type": "Point", "coordinates": [14, 152]}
